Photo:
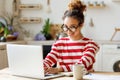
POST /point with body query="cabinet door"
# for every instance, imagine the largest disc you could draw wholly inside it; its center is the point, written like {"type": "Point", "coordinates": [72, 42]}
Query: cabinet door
{"type": "Point", "coordinates": [98, 62]}
{"type": "Point", "coordinates": [3, 59]}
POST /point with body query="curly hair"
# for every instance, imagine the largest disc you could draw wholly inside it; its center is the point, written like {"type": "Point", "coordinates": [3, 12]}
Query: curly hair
{"type": "Point", "coordinates": [75, 10]}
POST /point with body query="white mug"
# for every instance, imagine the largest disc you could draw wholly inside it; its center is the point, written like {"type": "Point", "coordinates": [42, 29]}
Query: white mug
{"type": "Point", "coordinates": [78, 71]}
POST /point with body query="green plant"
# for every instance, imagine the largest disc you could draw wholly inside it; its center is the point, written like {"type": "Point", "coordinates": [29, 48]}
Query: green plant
{"type": "Point", "coordinates": [3, 30]}
{"type": "Point", "coordinates": [8, 17]}
{"type": "Point", "coordinates": [46, 30]}
{"type": "Point", "coordinates": [6, 32]}
{"type": "Point", "coordinates": [46, 27]}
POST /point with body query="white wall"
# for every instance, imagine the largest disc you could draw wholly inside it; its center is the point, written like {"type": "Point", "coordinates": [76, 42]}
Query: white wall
{"type": "Point", "coordinates": [104, 19]}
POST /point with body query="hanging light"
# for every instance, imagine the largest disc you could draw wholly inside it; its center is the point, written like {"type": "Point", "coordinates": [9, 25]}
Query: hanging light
{"type": "Point", "coordinates": [48, 6]}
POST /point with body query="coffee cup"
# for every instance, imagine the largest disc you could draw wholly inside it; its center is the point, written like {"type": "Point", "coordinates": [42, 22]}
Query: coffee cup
{"type": "Point", "coordinates": [78, 71]}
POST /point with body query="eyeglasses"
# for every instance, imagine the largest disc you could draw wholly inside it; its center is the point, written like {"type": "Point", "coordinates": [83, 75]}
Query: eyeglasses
{"type": "Point", "coordinates": [71, 28]}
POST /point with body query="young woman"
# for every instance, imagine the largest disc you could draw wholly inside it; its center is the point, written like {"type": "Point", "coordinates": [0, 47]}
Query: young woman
{"type": "Point", "coordinates": [75, 48]}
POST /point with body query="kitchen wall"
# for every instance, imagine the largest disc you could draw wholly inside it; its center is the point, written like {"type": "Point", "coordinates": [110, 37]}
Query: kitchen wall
{"type": "Point", "coordinates": [104, 19]}
{"type": "Point", "coordinates": [1, 5]}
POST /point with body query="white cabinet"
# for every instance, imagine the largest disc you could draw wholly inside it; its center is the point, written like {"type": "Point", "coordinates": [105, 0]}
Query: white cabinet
{"type": "Point", "coordinates": [108, 58]}
{"type": "Point", "coordinates": [111, 58]}
{"type": "Point", "coordinates": [98, 58]}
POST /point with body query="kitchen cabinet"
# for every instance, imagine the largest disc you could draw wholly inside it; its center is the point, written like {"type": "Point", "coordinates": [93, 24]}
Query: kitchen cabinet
{"type": "Point", "coordinates": [98, 58]}
{"type": "Point", "coordinates": [3, 53]}
{"type": "Point", "coordinates": [3, 57]}
{"type": "Point", "coordinates": [108, 57]}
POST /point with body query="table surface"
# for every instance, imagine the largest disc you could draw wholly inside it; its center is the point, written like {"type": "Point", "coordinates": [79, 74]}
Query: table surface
{"type": "Point", "coordinates": [4, 75]}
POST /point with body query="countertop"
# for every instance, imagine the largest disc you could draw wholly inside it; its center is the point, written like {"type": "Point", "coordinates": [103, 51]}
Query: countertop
{"type": "Point", "coordinates": [3, 44]}
{"type": "Point", "coordinates": [50, 42]}
{"type": "Point", "coordinates": [5, 75]}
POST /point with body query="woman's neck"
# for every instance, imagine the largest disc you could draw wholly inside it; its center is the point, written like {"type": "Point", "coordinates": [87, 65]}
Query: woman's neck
{"type": "Point", "coordinates": [77, 38]}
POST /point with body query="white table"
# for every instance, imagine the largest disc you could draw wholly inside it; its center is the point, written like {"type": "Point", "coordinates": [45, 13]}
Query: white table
{"type": "Point", "coordinates": [4, 75]}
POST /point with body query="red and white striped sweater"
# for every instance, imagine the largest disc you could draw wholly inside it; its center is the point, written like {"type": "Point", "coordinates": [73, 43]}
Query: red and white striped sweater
{"type": "Point", "coordinates": [67, 52]}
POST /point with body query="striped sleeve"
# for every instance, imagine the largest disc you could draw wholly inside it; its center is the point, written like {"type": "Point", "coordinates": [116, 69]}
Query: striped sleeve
{"type": "Point", "coordinates": [51, 58]}
{"type": "Point", "coordinates": [88, 58]}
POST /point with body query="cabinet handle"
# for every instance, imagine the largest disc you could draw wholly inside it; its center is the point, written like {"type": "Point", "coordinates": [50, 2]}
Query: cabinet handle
{"type": "Point", "coordinates": [2, 49]}
{"type": "Point", "coordinates": [118, 47]}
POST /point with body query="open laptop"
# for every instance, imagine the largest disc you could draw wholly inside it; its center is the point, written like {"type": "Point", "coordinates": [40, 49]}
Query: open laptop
{"type": "Point", "coordinates": [27, 61]}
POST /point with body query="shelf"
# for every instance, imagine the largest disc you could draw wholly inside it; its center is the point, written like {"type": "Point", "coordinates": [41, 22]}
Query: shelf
{"type": "Point", "coordinates": [95, 4]}
{"type": "Point", "coordinates": [30, 6]}
{"type": "Point", "coordinates": [30, 20]}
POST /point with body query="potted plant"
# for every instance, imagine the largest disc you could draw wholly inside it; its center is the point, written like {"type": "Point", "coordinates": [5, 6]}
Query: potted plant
{"type": "Point", "coordinates": [9, 31]}
{"type": "Point", "coordinates": [3, 32]}
{"type": "Point", "coordinates": [45, 33]}
{"type": "Point", "coordinates": [46, 29]}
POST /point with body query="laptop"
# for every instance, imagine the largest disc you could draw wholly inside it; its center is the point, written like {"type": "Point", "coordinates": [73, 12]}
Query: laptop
{"type": "Point", "coordinates": [27, 61]}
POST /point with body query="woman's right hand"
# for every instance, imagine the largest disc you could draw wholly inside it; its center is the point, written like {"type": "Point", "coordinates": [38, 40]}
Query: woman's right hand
{"type": "Point", "coordinates": [51, 70]}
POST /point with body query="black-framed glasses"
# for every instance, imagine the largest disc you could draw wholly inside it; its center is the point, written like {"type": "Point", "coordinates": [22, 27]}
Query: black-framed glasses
{"type": "Point", "coordinates": [71, 28]}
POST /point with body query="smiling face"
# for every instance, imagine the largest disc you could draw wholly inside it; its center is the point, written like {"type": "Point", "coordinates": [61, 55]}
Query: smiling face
{"type": "Point", "coordinates": [71, 23]}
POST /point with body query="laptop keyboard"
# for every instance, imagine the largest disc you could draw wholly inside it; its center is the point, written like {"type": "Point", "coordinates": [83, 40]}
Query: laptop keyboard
{"type": "Point", "coordinates": [49, 76]}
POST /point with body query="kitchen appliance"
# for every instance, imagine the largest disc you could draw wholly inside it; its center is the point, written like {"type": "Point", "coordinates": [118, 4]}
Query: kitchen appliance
{"type": "Point", "coordinates": [110, 58]}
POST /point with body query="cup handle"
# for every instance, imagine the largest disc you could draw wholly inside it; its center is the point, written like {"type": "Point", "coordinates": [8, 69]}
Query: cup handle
{"type": "Point", "coordinates": [84, 71]}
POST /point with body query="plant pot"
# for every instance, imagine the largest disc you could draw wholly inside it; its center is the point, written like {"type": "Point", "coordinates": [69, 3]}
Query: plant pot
{"type": "Point", "coordinates": [48, 37]}
{"type": "Point", "coordinates": [39, 37]}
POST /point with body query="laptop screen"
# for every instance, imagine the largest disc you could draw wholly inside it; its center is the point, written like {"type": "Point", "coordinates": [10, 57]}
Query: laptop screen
{"type": "Point", "coordinates": [46, 50]}
{"type": "Point", "coordinates": [25, 60]}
